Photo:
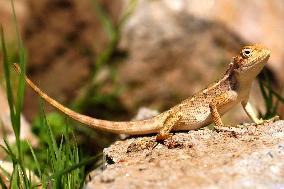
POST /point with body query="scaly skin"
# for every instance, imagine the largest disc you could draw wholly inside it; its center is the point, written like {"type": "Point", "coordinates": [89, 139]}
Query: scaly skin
{"type": "Point", "coordinates": [203, 108]}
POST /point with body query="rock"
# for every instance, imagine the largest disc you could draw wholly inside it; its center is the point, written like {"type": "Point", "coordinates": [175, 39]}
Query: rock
{"type": "Point", "coordinates": [246, 156]}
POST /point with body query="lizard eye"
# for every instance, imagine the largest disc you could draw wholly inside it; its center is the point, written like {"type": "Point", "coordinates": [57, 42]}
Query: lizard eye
{"type": "Point", "coordinates": [246, 53]}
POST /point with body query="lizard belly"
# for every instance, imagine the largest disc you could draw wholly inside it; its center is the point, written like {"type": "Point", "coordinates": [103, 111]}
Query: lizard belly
{"type": "Point", "coordinates": [201, 117]}
{"type": "Point", "coordinates": [186, 125]}
{"type": "Point", "coordinates": [190, 121]}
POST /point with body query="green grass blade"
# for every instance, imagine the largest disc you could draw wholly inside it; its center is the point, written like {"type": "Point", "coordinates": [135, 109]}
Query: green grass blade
{"type": "Point", "coordinates": [128, 12]}
{"type": "Point", "coordinates": [15, 183]}
{"type": "Point", "coordinates": [51, 139]}
{"type": "Point", "coordinates": [19, 100]}
{"type": "Point", "coordinates": [76, 166]}
{"type": "Point", "coordinates": [54, 148]}
{"type": "Point", "coordinates": [15, 22]}
{"type": "Point", "coordinates": [105, 20]}
{"type": "Point", "coordinates": [7, 77]}
{"type": "Point", "coordinates": [270, 96]}
{"type": "Point", "coordinates": [22, 64]}
{"type": "Point", "coordinates": [278, 96]}
{"type": "Point", "coordinates": [263, 92]}
{"type": "Point", "coordinates": [36, 161]}
{"type": "Point", "coordinates": [9, 151]}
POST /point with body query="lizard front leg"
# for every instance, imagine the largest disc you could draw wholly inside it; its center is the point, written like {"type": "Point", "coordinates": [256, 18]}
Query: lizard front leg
{"type": "Point", "coordinates": [219, 101]}
{"type": "Point", "coordinates": [171, 120]}
{"type": "Point", "coordinates": [250, 112]}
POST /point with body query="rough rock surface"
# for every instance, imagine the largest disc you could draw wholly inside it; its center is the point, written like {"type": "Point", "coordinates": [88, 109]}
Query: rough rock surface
{"type": "Point", "coordinates": [247, 156]}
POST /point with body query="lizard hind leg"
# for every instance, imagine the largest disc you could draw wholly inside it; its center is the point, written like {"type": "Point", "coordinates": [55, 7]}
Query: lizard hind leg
{"type": "Point", "coordinates": [171, 120]}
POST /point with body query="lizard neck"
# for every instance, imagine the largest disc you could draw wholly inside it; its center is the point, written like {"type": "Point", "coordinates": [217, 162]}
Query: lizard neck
{"type": "Point", "coordinates": [242, 85]}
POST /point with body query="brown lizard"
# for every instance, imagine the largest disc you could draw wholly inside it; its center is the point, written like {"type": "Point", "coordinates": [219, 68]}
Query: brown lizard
{"type": "Point", "coordinates": [203, 108]}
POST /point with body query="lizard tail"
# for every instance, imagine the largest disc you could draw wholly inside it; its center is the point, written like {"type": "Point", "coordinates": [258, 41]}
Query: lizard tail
{"type": "Point", "coordinates": [126, 127]}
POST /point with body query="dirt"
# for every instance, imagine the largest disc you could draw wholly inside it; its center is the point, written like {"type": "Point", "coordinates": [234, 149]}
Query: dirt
{"type": "Point", "coordinates": [247, 156]}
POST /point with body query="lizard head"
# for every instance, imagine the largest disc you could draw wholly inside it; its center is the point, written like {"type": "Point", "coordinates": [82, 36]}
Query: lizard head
{"type": "Point", "coordinates": [251, 60]}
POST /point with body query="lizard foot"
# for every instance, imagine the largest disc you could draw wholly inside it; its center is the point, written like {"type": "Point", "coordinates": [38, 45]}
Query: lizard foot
{"type": "Point", "coordinates": [264, 121]}
{"type": "Point", "coordinates": [161, 137]}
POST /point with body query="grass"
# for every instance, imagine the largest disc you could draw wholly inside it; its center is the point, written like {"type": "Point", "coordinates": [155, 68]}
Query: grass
{"type": "Point", "coordinates": [19, 174]}
{"type": "Point", "coordinates": [272, 99]}
{"type": "Point", "coordinates": [64, 167]}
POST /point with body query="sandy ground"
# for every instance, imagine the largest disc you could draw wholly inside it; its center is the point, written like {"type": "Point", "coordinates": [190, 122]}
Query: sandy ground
{"type": "Point", "coordinates": [246, 156]}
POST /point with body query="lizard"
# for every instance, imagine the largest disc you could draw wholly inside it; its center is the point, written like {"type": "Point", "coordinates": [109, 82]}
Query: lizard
{"type": "Point", "coordinates": [200, 110]}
